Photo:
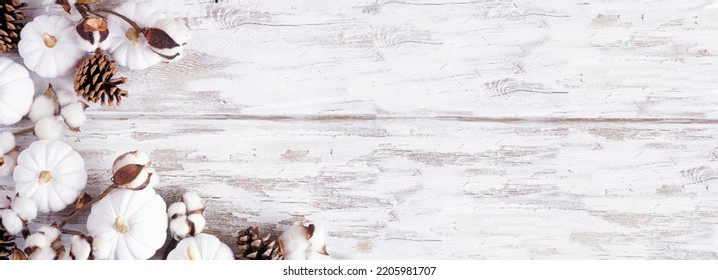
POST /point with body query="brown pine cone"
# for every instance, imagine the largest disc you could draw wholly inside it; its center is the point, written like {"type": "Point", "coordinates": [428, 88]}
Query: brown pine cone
{"type": "Point", "coordinates": [7, 243]}
{"type": "Point", "coordinates": [253, 246]}
{"type": "Point", "coordinates": [94, 82]}
{"type": "Point", "coordinates": [9, 27]}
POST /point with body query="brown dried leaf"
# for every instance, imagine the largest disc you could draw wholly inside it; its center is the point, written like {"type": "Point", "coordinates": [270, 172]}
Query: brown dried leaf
{"type": "Point", "coordinates": [94, 24]}
{"type": "Point", "coordinates": [127, 174]}
{"type": "Point", "coordinates": [30, 250]}
{"type": "Point", "coordinates": [192, 229]}
{"type": "Point", "coordinates": [89, 25]}
{"type": "Point", "coordinates": [17, 254]}
{"type": "Point", "coordinates": [158, 38]}
{"type": "Point", "coordinates": [50, 93]}
{"type": "Point", "coordinates": [309, 231]}
{"type": "Point", "coordinates": [65, 5]}
{"type": "Point", "coordinates": [82, 200]}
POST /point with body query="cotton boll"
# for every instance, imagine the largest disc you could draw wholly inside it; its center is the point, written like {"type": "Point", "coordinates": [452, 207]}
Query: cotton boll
{"type": "Point", "coordinates": [41, 108]}
{"type": "Point", "coordinates": [318, 241]}
{"type": "Point", "coordinates": [10, 221]}
{"type": "Point", "coordinates": [7, 165]}
{"type": "Point", "coordinates": [176, 209]}
{"type": "Point", "coordinates": [52, 234]}
{"type": "Point", "coordinates": [193, 201]}
{"type": "Point", "coordinates": [296, 250]}
{"type": "Point", "coordinates": [134, 157]}
{"type": "Point", "coordinates": [24, 207]}
{"type": "Point", "coordinates": [199, 222]}
{"type": "Point", "coordinates": [179, 33]}
{"type": "Point", "coordinates": [80, 248]}
{"type": "Point", "coordinates": [294, 242]}
{"type": "Point", "coordinates": [179, 228]}
{"type": "Point", "coordinates": [7, 142]}
{"type": "Point", "coordinates": [49, 128]}
{"type": "Point", "coordinates": [101, 248]}
{"type": "Point", "coordinates": [74, 114]}
{"type": "Point", "coordinates": [37, 240]}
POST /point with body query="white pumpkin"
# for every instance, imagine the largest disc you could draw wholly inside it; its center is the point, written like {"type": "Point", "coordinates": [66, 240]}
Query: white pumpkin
{"type": "Point", "coordinates": [128, 47]}
{"type": "Point", "coordinates": [131, 224]}
{"type": "Point", "coordinates": [49, 46]}
{"type": "Point", "coordinates": [51, 173]}
{"type": "Point", "coordinates": [16, 91]}
{"type": "Point", "coordinates": [201, 247]}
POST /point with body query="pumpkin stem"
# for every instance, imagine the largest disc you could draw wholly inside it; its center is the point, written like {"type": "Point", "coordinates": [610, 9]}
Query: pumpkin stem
{"type": "Point", "coordinates": [121, 226]}
{"type": "Point", "coordinates": [190, 253]}
{"type": "Point", "coordinates": [45, 177]}
{"type": "Point", "coordinates": [49, 40]}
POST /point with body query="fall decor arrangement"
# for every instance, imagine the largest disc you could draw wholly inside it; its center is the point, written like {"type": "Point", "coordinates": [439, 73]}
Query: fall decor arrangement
{"type": "Point", "coordinates": [128, 220]}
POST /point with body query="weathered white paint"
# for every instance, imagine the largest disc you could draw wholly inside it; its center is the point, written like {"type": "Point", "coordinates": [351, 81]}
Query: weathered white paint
{"type": "Point", "coordinates": [437, 129]}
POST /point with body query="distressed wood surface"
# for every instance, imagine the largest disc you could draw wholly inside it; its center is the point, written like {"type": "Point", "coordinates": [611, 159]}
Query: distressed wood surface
{"type": "Point", "coordinates": [435, 129]}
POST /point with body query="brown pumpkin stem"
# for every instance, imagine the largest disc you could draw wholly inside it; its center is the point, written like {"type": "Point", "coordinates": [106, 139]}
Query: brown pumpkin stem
{"type": "Point", "coordinates": [24, 131]}
{"type": "Point", "coordinates": [74, 214]}
{"type": "Point", "coordinates": [123, 17]}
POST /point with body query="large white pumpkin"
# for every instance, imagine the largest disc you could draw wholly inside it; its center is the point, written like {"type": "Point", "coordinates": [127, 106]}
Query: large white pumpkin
{"type": "Point", "coordinates": [128, 46]}
{"type": "Point", "coordinates": [49, 46]}
{"type": "Point", "coordinates": [16, 91]}
{"type": "Point", "coordinates": [201, 247]}
{"type": "Point", "coordinates": [131, 224]}
{"type": "Point", "coordinates": [51, 173]}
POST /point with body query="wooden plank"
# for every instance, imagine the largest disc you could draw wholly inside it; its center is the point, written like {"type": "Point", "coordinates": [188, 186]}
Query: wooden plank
{"type": "Point", "coordinates": [431, 188]}
{"type": "Point", "coordinates": [471, 58]}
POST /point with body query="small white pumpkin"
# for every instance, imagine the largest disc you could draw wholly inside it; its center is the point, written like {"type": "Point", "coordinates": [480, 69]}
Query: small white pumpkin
{"type": "Point", "coordinates": [16, 91]}
{"type": "Point", "coordinates": [131, 224]}
{"type": "Point", "coordinates": [51, 173]}
{"type": "Point", "coordinates": [49, 46]}
{"type": "Point", "coordinates": [201, 247]}
{"type": "Point", "coordinates": [128, 46]}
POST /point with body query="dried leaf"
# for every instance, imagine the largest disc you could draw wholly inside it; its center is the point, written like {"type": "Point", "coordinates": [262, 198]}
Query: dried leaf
{"type": "Point", "coordinates": [127, 174]}
{"type": "Point", "coordinates": [93, 24]}
{"type": "Point", "coordinates": [29, 250]}
{"type": "Point", "coordinates": [65, 5]}
{"type": "Point", "coordinates": [17, 254]}
{"type": "Point", "coordinates": [158, 38]}
{"type": "Point", "coordinates": [88, 26]}
{"type": "Point", "coordinates": [50, 93]}
{"type": "Point", "coordinates": [192, 229]}
{"type": "Point", "coordinates": [309, 231]}
{"type": "Point", "coordinates": [82, 200]}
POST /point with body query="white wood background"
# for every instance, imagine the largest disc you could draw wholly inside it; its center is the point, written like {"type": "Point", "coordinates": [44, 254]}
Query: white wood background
{"type": "Point", "coordinates": [436, 129]}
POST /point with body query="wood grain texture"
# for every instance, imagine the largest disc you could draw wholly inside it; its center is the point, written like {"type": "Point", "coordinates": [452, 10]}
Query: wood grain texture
{"type": "Point", "coordinates": [436, 129]}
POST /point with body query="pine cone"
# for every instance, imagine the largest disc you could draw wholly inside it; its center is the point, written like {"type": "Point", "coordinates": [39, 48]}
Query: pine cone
{"type": "Point", "coordinates": [7, 242]}
{"type": "Point", "coordinates": [253, 246]}
{"type": "Point", "coordinates": [93, 80]}
{"type": "Point", "coordinates": [9, 28]}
